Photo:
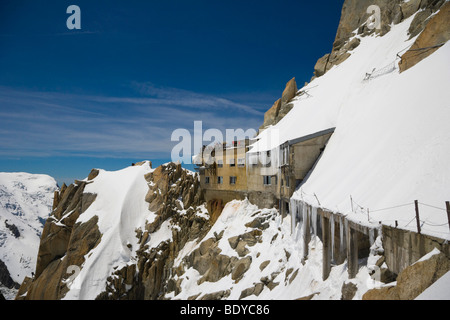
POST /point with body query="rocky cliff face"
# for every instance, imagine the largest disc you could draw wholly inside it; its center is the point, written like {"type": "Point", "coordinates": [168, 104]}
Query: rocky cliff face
{"type": "Point", "coordinates": [354, 22]}
{"type": "Point", "coordinates": [64, 243]}
{"type": "Point", "coordinates": [413, 280]}
{"type": "Point", "coordinates": [175, 195]}
{"type": "Point", "coordinates": [282, 106]}
{"type": "Point", "coordinates": [436, 32]}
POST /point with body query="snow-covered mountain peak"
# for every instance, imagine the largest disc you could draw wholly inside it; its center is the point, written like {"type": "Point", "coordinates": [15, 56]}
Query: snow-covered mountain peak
{"type": "Point", "coordinates": [25, 203]}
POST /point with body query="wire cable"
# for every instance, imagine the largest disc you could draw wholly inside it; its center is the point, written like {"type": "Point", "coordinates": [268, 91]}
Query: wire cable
{"type": "Point", "coordinates": [394, 207]}
{"type": "Point", "coordinates": [429, 205]}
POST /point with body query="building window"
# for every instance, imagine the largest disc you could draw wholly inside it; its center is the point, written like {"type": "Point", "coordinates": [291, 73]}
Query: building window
{"type": "Point", "coordinates": [233, 180]}
{"type": "Point", "coordinates": [268, 162]}
{"type": "Point", "coordinates": [206, 180]}
{"type": "Point", "coordinates": [267, 180]}
{"type": "Point", "coordinates": [220, 163]}
{"type": "Point", "coordinates": [220, 180]}
{"type": "Point", "coordinates": [232, 163]}
{"type": "Point", "coordinates": [241, 163]}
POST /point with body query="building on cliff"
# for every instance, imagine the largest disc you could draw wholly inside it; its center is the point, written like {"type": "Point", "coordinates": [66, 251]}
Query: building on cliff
{"type": "Point", "coordinates": [268, 178]}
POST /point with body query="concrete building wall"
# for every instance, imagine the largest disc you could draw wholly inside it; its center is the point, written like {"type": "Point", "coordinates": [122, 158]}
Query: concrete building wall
{"type": "Point", "coordinates": [402, 247]}
{"type": "Point", "coordinates": [255, 180]}
{"type": "Point", "coordinates": [304, 155]}
{"type": "Point", "coordinates": [225, 195]}
{"type": "Point", "coordinates": [227, 170]}
{"type": "Point", "coordinates": [260, 199]}
{"type": "Point", "coordinates": [263, 199]}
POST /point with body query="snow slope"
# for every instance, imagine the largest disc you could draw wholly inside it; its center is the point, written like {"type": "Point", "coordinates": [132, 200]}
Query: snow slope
{"type": "Point", "coordinates": [25, 201]}
{"type": "Point", "coordinates": [121, 208]}
{"type": "Point", "coordinates": [391, 145]}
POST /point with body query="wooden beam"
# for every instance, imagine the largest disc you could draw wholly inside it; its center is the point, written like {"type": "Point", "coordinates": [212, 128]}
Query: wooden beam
{"type": "Point", "coordinates": [352, 252]}
{"type": "Point", "coordinates": [447, 204]}
{"type": "Point", "coordinates": [416, 203]}
{"type": "Point", "coordinates": [326, 251]}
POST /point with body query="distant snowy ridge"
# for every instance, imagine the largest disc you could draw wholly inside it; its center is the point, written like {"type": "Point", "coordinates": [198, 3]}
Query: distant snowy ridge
{"type": "Point", "coordinates": [25, 203]}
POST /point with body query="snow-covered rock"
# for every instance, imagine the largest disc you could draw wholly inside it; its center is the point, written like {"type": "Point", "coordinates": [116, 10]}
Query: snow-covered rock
{"type": "Point", "coordinates": [414, 280]}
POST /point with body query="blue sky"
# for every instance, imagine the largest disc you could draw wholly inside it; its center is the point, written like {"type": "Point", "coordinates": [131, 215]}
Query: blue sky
{"type": "Point", "coordinates": [113, 92]}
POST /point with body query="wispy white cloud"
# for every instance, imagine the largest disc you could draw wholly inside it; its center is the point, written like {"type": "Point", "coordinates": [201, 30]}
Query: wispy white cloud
{"type": "Point", "coordinates": [56, 34]}
{"type": "Point", "coordinates": [156, 96]}
{"type": "Point", "coordinates": [45, 124]}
